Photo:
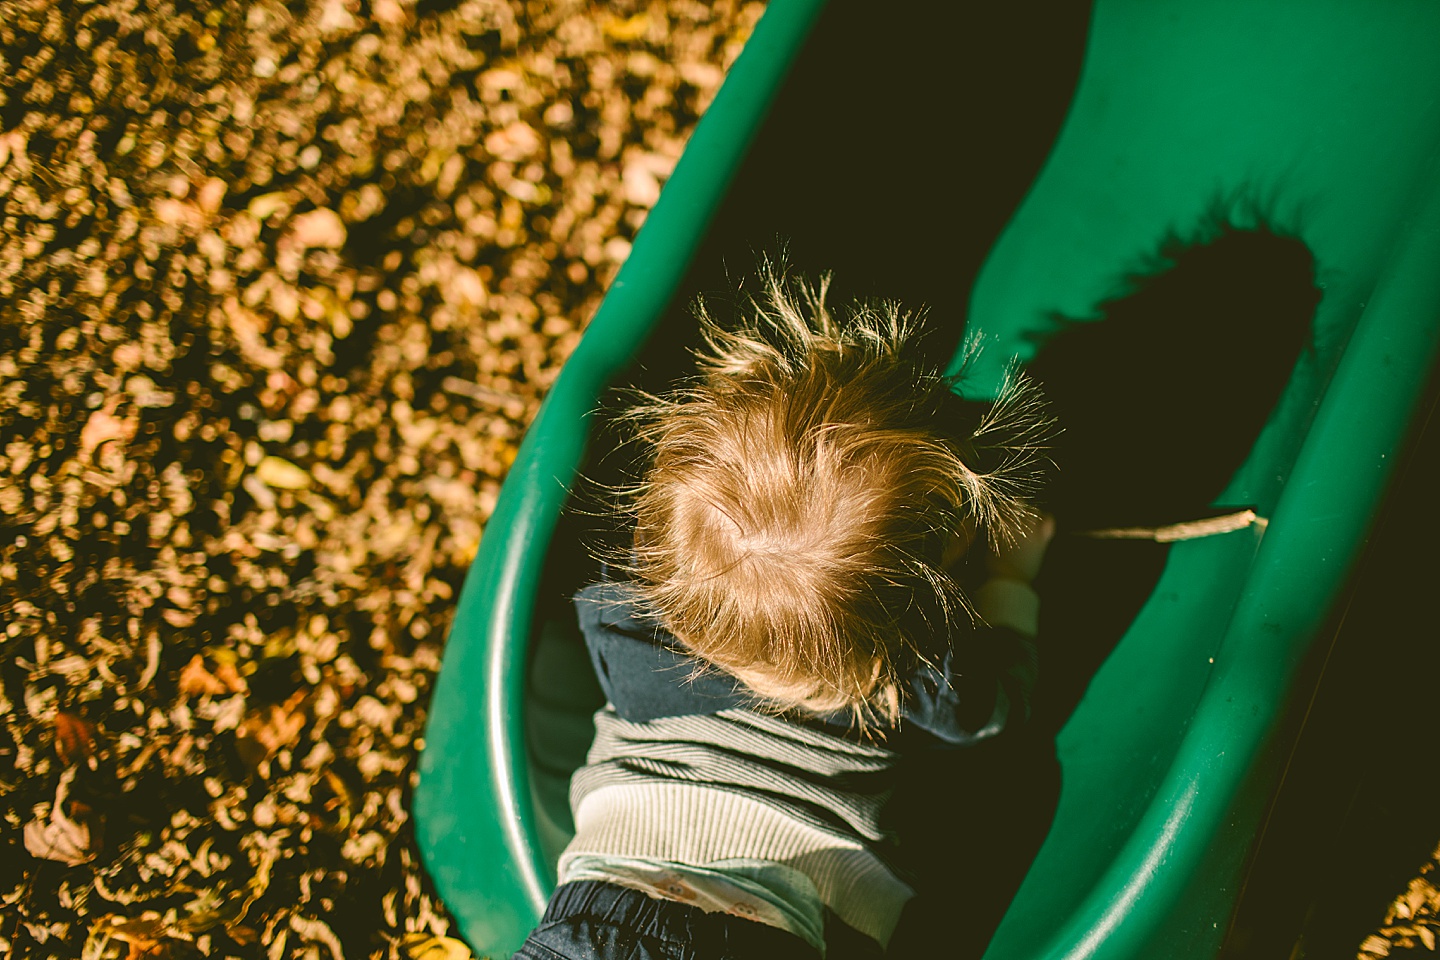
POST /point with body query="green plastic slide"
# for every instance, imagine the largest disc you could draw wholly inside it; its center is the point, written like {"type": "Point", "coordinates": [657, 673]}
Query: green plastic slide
{"type": "Point", "coordinates": [1318, 120]}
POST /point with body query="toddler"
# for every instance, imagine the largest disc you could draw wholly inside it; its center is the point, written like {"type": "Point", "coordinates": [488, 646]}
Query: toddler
{"type": "Point", "coordinates": [789, 623]}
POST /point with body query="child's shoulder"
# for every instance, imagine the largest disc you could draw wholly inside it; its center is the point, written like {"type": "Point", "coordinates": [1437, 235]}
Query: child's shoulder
{"type": "Point", "coordinates": [610, 604]}
{"type": "Point", "coordinates": [646, 674]}
{"type": "Point", "coordinates": [643, 670]}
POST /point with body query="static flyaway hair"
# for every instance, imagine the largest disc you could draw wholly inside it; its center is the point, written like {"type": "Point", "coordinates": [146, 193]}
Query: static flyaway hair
{"type": "Point", "coordinates": [799, 493]}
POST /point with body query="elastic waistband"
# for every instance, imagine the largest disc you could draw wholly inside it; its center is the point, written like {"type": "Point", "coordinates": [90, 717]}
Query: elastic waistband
{"type": "Point", "coordinates": [711, 936]}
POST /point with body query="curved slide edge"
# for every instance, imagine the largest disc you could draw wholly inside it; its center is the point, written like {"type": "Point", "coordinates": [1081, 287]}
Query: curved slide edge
{"type": "Point", "coordinates": [1320, 527]}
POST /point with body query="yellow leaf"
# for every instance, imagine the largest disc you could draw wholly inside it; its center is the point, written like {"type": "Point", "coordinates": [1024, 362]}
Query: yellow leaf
{"type": "Point", "coordinates": [625, 30]}
{"type": "Point", "coordinates": [320, 227]}
{"type": "Point", "coordinates": [1375, 946]}
{"type": "Point", "coordinates": [268, 203]}
{"type": "Point", "coordinates": [426, 946]}
{"type": "Point", "coordinates": [282, 474]}
{"type": "Point", "coordinates": [103, 426]}
{"type": "Point", "coordinates": [195, 679]}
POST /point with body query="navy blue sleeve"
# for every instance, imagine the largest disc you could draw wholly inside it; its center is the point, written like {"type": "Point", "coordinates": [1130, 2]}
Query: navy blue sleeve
{"type": "Point", "coordinates": [641, 667]}
{"type": "Point", "coordinates": [970, 695]}
{"type": "Point", "coordinates": [968, 698]}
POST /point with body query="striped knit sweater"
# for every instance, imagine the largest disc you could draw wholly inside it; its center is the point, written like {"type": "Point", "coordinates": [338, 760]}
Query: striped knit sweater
{"type": "Point", "coordinates": [738, 784]}
{"type": "Point", "coordinates": [683, 771]}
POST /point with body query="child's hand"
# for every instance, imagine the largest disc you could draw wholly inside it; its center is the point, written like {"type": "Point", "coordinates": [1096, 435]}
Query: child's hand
{"type": "Point", "coordinates": [1021, 560]}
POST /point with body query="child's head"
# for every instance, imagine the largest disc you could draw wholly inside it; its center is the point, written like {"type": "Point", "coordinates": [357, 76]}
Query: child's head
{"type": "Point", "coordinates": [802, 493]}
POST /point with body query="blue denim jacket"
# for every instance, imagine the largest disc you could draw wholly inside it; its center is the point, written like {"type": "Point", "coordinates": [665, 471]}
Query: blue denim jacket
{"type": "Point", "coordinates": [979, 687]}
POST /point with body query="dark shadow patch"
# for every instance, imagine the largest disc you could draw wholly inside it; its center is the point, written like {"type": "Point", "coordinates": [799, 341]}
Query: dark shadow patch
{"type": "Point", "coordinates": [1161, 401]}
{"type": "Point", "coordinates": [985, 812]}
{"type": "Point", "coordinates": [1161, 398]}
{"type": "Point", "coordinates": [898, 149]}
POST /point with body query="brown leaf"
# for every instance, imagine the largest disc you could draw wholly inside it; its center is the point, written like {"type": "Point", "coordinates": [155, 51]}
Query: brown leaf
{"type": "Point", "coordinates": [178, 618]}
{"type": "Point", "coordinates": [242, 934]}
{"type": "Point", "coordinates": [196, 680]}
{"type": "Point", "coordinates": [264, 733]}
{"type": "Point", "coordinates": [388, 11]}
{"type": "Point", "coordinates": [74, 738]}
{"type": "Point", "coordinates": [321, 227]}
{"type": "Point", "coordinates": [212, 192]}
{"type": "Point", "coordinates": [103, 426]}
{"type": "Point", "coordinates": [514, 142]}
{"type": "Point", "coordinates": [228, 675]}
{"type": "Point", "coordinates": [145, 935]}
{"type": "Point", "coordinates": [1376, 946]}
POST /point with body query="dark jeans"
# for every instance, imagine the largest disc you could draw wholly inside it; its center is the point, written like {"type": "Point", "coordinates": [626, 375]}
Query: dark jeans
{"type": "Point", "coordinates": [591, 920]}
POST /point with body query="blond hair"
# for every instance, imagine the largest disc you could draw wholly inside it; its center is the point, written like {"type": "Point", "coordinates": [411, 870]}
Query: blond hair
{"type": "Point", "coordinates": [790, 524]}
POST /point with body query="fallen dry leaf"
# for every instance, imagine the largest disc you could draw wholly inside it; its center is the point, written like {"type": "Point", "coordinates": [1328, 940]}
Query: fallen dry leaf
{"type": "Point", "coordinates": [70, 841]}
{"type": "Point", "coordinates": [265, 732]}
{"type": "Point", "coordinates": [74, 738]}
{"type": "Point", "coordinates": [239, 230]}
{"type": "Point", "coordinates": [282, 474]}
{"type": "Point", "coordinates": [60, 838]}
{"type": "Point", "coordinates": [318, 228]}
{"type": "Point", "coordinates": [145, 935]}
{"type": "Point", "coordinates": [197, 680]}
{"type": "Point", "coordinates": [424, 946]}
{"type": "Point", "coordinates": [102, 426]}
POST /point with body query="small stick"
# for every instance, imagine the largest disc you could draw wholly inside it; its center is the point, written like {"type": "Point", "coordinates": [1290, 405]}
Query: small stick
{"type": "Point", "coordinates": [1188, 530]}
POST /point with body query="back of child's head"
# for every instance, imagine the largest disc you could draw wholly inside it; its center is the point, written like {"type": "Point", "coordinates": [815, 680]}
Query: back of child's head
{"type": "Point", "coordinates": [800, 493]}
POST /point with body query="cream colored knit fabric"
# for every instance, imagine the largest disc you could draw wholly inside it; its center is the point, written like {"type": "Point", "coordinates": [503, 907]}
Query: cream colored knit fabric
{"type": "Point", "coordinates": [701, 789]}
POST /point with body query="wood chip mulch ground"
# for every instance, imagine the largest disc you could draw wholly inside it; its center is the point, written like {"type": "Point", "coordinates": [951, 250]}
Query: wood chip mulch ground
{"type": "Point", "coordinates": [281, 285]}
